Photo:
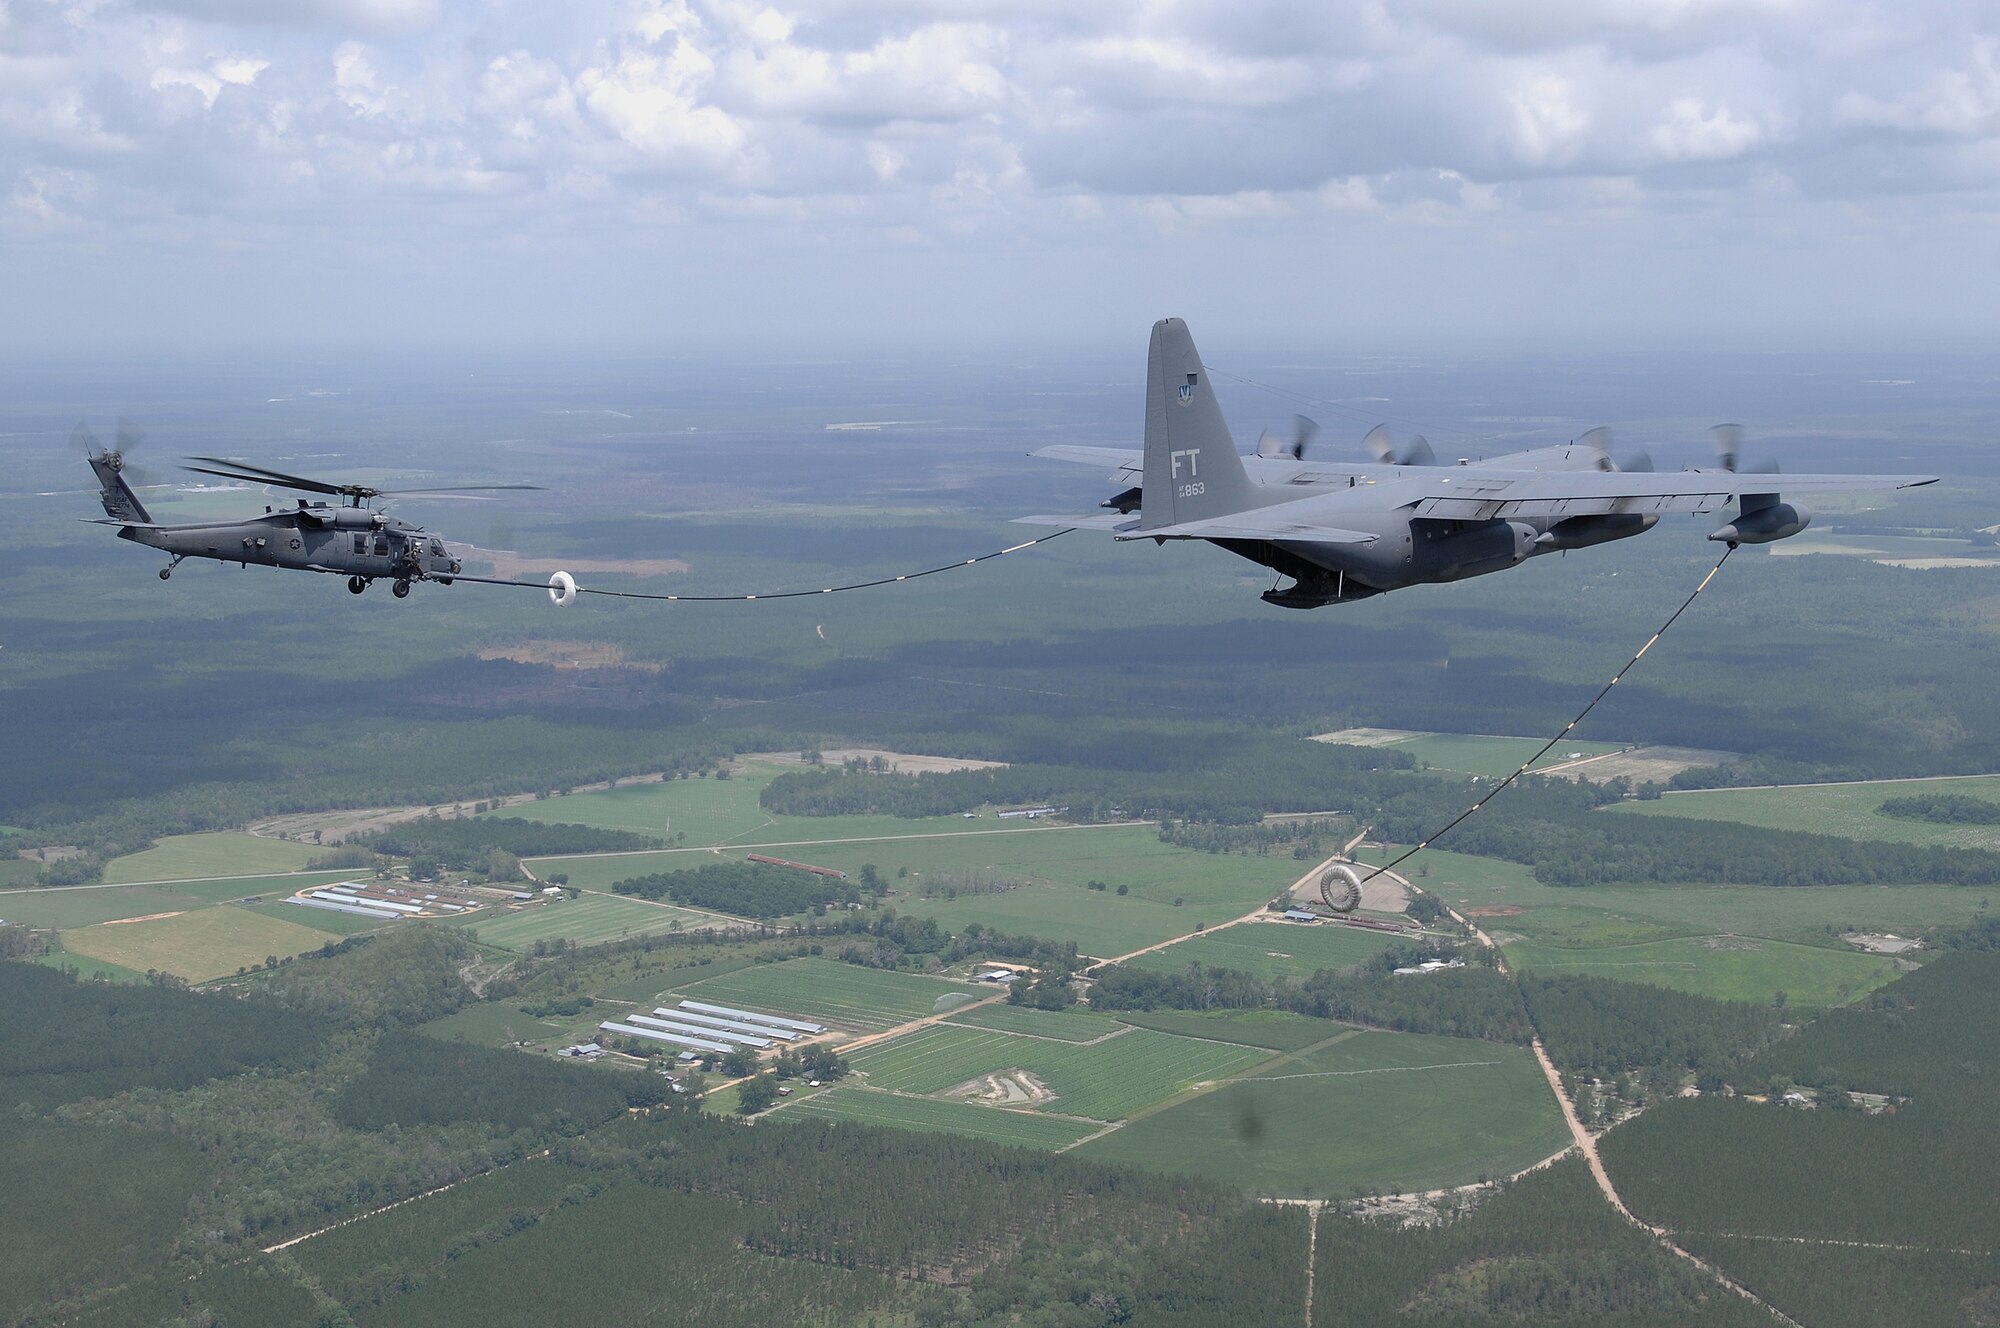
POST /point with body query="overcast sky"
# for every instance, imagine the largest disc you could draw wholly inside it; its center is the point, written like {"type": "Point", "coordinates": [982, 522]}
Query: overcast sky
{"type": "Point", "coordinates": [227, 172]}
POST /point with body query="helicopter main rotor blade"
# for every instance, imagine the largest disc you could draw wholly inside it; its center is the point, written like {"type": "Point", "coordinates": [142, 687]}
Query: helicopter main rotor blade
{"type": "Point", "coordinates": [282, 481]}
{"type": "Point", "coordinates": [458, 488]}
{"type": "Point", "coordinates": [276, 476]}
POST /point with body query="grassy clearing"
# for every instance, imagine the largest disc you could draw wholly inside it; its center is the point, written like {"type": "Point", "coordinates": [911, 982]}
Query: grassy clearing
{"type": "Point", "coordinates": [180, 857]}
{"type": "Point", "coordinates": [1381, 1112]}
{"type": "Point", "coordinates": [498, 1024]}
{"type": "Point", "coordinates": [591, 919]}
{"type": "Point", "coordinates": [1478, 754]}
{"type": "Point", "coordinates": [17, 871]}
{"type": "Point", "coordinates": [1272, 1029]}
{"type": "Point", "coordinates": [1072, 1025]}
{"type": "Point", "coordinates": [826, 991]}
{"type": "Point", "coordinates": [88, 967]}
{"type": "Point", "coordinates": [1847, 810]}
{"type": "Point", "coordinates": [1730, 968]}
{"type": "Point", "coordinates": [1021, 1128]}
{"type": "Point", "coordinates": [1105, 1081]}
{"type": "Point", "coordinates": [1271, 949]}
{"type": "Point", "coordinates": [199, 946]}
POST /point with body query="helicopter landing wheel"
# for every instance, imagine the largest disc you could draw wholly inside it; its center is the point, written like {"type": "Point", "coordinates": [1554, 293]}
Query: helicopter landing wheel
{"type": "Point", "coordinates": [401, 590]}
{"type": "Point", "coordinates": [356, 584]}
{"type": "Point", "coordinates": [166, 572]}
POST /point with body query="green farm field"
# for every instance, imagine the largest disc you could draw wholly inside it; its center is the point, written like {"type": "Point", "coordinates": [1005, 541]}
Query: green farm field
{"type": "Point", "coordinates": [1847, 810]}
{"type": "Point", "coordinates": [827, 991]}
{"type": "Point", "coordinates": [201, 945]}
{"type": "Point", "coordinates": [1107, 1080]}
{"type": "Point", "coordinates": [711, 812]}
{"type": "Point", "coordinates": [1270, 949]}
{"type": "Point", "coordinates": [590, 919]}
{"type": "Point", "coordinates": [1275, 1030]}
{"type": "Point", "coordinates": [1071, 1025]}
{"type": "Point", "coordinates": [80, 906]}
{"type": "Point", "coordinates": [1055, 864]}
{"type": "Point", "coordinates": [1729, 968]}
{"type": "Point", "coordinates": [1022, 1128]}
{"type": "Point", "coordinates": [1807, 914]}
{"type": "Point", "coordinates": [187, 857]}
{"type": "Point", "coordinates": [1375, 1113]}
{"type": "Point", "coordinates": [1479, 754]}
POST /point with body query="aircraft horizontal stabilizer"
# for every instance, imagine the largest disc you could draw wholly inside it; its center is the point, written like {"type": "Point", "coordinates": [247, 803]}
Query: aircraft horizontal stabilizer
{"type": "Point", "coordinates": [1252, 526]}
{"type": "Point", "coordinates": [1113, 521]}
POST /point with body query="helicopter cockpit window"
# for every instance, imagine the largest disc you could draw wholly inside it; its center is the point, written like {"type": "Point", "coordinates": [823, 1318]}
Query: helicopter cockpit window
{"type": "Point", "coordinates": [381, 546]}
{"type": "Point", "coordinates": [360, 543]}
{"type": "Point", "coordinates": [437, 548]}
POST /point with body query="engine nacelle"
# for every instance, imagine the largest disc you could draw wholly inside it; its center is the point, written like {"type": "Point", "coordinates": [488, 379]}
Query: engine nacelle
{"type": "Point", "coordinates": [1761, 525]}
{"type": "Point", "coordinates": [1581, 532]}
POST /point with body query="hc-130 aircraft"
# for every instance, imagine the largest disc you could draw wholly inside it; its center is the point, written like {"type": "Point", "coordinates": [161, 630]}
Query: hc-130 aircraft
{"type": "Point", "coordinates": [350, 540]}
{"type": "Point", "coordinates": [1344, 532]}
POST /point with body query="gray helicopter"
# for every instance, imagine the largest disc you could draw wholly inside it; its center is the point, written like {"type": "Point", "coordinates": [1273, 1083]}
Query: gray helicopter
{"type": "Point", "coordinates": [350, 540]}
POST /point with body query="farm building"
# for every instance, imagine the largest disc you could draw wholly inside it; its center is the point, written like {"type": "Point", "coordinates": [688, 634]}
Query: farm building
{"type": "Point", "coordinates": [752, 1017]}
{"type": "Point", "coordinates": [1000, 975]}
{"type": "Point", "coordinates": [661, 1035]}
{"type": "Point", "coordinates": [691, 1030]}
{"type": "Point", "coordinates": [589, 1051]}
{"type": "Point", "coordinates": [551, 891]}
{"type": "Point", "coordinates": [524, 896]}
{"type": "Point", "coordinates": [727, 1025]}
{"type": "Point", "coordinates": [336, 904]}
{"type": "Point", "coordinates": [1300, 915]}
{"type": "Point", "coordinates": [1025, 813]}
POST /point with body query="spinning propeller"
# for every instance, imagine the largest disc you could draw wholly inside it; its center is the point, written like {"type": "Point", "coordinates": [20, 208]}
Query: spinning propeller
{"type": "Point", "coordinates": [1293, 448]}
{"type": "Point", "coordinates": [1416, 452]}
{"type": "Point", "coordinates": [1729, 450]}
{"type": "Point", "coordinates": [1640, 462]}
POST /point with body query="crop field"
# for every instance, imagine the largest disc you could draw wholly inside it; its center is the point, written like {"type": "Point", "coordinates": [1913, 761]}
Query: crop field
{"type": "Point", "coordinates": [80, 906]}
{"type": "Point", "coordinates": [827, 991]}
{"type": "Point", "coordinates": [711, 812]}
{"type": "Point", "coordinates": [1022, 1128]}
{"type": "Point", "coordinates": [1474, 753]}
{"type": "Point", "coordinates": [1071, 1025]}
{"type": "Point", "coordinates": [1275, 1030]}
{"type": "Point", "coordinates": [1848, 810]}
{"type": "Point", "coordinates": [1810, 914]}
{"type": "Point", "coordinates": [1104, 1081]}
{"type": "Point", "coordinates": [88, 967]}
{"type": "Point", "coordinates": [1271, 949]}
{"type": "Point", "coordinates": [1730, 968]}
{"type": "Point", "coordinates": [18, 871]}
{"type": "Point", "coordinates": [199, 946]}
{"type": "Point", "coordinates": [590, 919]}
{"type": "Point", "coordinates": [183, 857]}
{"type": "Point", "coordinates": [1376, 1113]}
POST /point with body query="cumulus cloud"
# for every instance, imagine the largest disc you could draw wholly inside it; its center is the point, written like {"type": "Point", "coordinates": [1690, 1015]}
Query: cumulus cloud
{"type": "Point", "coordinates": [507, 122]}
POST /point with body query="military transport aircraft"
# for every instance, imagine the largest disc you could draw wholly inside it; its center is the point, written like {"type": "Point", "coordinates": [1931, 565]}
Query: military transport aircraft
{"type": "Point", "coordinates": [350, 540]}
{"type": "Point", "coordinates": [1344, 532]}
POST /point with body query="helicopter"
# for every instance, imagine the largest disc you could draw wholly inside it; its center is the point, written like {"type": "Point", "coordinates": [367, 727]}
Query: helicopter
{"type": "Point", "coordinates": [350, 539]}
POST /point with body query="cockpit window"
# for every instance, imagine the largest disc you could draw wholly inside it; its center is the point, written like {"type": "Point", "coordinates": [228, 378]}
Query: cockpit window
{"type": "Point", "coordinates": [437, 547]}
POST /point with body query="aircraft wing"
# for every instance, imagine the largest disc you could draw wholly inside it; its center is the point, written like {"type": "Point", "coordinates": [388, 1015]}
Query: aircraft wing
{"type": "Point", "coordinates": [1476, 494]}
{"type": "Point", "coordinates": [1125, 463]}
{"type": "Point", "coordinates": [1312, 519]}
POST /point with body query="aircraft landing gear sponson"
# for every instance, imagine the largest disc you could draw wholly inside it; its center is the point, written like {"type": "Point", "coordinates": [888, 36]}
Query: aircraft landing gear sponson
{"type": "Point", "coordinates": [401, 590]}
{"type": "Point", "coordinates": [356, 584]}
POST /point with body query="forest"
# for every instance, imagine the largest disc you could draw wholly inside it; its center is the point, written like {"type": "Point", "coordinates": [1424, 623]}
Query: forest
{"type": "Point", "coordinates": [461, 843]}
{"type": "Point", "coordinates": [1943, 809]}
{"type": "Point", "coordinates": [746, 889]}
{"type": "Point", "coordinates": [416, 1080]}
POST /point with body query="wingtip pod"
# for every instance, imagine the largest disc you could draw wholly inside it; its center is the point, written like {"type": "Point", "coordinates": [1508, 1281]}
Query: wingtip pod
{"type": "Point", "coordinates": [562, 590]}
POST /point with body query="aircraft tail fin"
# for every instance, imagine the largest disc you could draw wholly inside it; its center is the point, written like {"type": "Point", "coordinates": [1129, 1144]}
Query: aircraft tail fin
{"type": "Point", "coordinates": [120, 503]}
{"type": "Point", "coordinates": [1192, 470]}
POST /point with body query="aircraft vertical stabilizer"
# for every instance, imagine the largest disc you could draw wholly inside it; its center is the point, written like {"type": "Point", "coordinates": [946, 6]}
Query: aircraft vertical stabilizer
{"type": "Point", "coordinates": [120, 503]}
{"type": "Point", "coordinates": [1192, 469]}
